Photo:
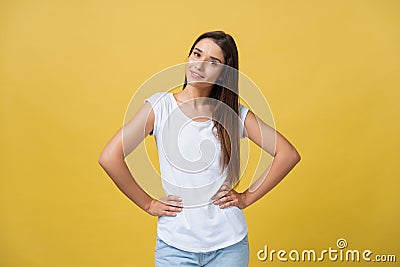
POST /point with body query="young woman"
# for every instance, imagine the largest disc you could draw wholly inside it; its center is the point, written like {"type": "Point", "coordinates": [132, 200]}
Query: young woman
{"type": "Point", "coordinates": [197, 131]}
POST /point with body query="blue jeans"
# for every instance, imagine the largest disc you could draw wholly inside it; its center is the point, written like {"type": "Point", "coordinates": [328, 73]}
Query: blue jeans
{"type": "Point", "coordinates": [236, 255]}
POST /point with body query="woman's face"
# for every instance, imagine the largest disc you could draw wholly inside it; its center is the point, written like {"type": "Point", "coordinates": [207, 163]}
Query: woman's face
{"type": "Point", "coordinates": [205, 62]}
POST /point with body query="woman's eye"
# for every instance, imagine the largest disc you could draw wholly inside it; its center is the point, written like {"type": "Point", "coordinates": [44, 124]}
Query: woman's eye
{"type": "Point", "coordinates": [213, 62]}
{"type": "Point", "coordinates": [196, 54]}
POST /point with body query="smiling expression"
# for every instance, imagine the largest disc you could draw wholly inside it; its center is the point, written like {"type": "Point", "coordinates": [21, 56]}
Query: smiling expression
{"type": "Point", "coordinates": [205, 62]}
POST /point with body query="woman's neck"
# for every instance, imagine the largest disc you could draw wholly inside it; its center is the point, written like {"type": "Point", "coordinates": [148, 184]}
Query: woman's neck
{"type": "Point", "coordinates": [197, 95]}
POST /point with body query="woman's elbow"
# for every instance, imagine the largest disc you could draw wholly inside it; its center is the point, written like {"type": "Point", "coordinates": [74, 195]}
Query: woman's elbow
{"type": "Point", "coordinates": [295, 156]}
{"type": "Point", "coordinates": [103, 159]}
{"type": "Point", "coordinates": [110, 156]}
{"type": "Point", "coordinates": [106, 158]}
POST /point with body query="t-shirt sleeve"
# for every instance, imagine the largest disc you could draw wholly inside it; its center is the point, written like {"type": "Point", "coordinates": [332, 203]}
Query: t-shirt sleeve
{"type": "Point", "coordinates": [242, 114]}
{"type": "Point", "coordinates": [155, 102]}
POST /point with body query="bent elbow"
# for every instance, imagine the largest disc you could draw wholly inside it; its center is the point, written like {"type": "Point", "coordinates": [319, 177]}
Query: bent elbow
{"type": "Point", "coordinates": [295, 156]}
{"type": "Point", "coordinates": [110, 157]}
{"type": "Point", "coordinates": [104, 159]}
{"type": "Point", "coordinates": [101, 160]}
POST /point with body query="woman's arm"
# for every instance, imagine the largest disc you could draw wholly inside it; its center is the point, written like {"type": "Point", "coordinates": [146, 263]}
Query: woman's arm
{"type": "Point", "coordinates": [285, 158]}
{"type": "Point", "coordinates": [112, 160]}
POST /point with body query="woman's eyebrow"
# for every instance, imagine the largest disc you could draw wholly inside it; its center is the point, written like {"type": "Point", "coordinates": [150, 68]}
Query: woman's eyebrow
{"type": "Point", "coordinates": [210, 56]}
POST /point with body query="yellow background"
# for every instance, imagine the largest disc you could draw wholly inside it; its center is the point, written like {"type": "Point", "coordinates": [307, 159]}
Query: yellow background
{"type": "Point", "coordinates": [329, 69]}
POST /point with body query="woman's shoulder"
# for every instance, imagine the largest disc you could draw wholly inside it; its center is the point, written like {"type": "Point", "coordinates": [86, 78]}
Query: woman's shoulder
{"type": "Point", "coordinates": [157, 98]}
{"type": "Point", "coordinates": [243, 110]}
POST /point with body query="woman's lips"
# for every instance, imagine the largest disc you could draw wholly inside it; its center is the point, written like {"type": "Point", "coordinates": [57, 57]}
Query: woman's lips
{"type": "Point", "coordinates": [196, 75]}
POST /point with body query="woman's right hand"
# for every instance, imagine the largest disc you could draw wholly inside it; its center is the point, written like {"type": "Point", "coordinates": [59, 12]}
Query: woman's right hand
{"type": "Point", "coordinates": [166, 206]}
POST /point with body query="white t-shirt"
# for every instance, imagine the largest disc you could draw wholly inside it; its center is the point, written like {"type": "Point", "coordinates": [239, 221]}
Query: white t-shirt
{"type": "Point", "coordinates": [189, 153]}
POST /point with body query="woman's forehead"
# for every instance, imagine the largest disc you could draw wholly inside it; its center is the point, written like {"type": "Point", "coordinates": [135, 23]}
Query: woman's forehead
{"type": "Point", "coordinates": [210, 48]}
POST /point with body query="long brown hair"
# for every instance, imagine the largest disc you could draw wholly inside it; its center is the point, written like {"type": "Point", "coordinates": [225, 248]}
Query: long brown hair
{"type": "Point", "coordinates": [226, 91]}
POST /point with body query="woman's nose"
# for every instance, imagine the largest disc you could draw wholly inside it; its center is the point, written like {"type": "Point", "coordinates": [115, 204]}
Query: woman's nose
{"type": "Point", "coordinates": [199, 64]}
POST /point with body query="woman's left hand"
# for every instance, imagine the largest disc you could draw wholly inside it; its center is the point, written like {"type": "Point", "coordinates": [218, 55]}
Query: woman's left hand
{"type": "Point", "coordinates": [226, 197]}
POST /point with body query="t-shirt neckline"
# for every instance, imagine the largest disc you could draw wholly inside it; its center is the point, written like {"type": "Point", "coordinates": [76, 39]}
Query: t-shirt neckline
{"type": "Point", "coordinates": [183, 113]}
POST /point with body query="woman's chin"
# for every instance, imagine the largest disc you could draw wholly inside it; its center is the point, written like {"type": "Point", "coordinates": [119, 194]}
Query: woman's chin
{"type": "Point", "coordinates": [201, 85]}
{"type": "Point", "coordinates": [199, 82]}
